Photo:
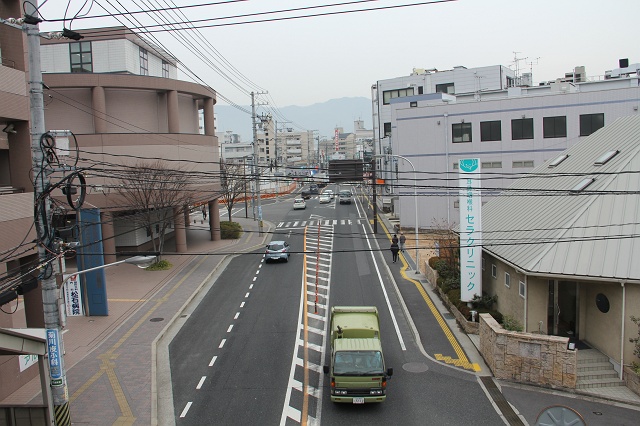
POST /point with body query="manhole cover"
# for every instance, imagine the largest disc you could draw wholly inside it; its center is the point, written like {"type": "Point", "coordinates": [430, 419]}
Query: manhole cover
{"type": "Point", "coordinates": [156, 319]}
{"type": "Point", "coordinates": [415, 367]}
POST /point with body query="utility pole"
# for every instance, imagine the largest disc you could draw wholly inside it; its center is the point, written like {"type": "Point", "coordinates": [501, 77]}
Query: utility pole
{"type": "Point", "coordinates": [256, 157]}
{"type": "Point", "coordinates": [57, 373]}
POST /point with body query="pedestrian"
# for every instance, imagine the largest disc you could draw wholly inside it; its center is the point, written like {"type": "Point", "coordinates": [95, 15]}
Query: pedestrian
{"type": "Point", "coordinates": [394, 251]}
{"type": "Point", "coordinates": [402, 240]}
{"type": "Point", "coordinates": [204, 213]}
{"type": "Point", "coordinates": [394, 239]}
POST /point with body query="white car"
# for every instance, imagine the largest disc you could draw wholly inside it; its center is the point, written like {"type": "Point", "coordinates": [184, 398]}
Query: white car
{"type": "Point", "coordinates": [325, 198]}
{"type": "Point", "coordinates": [329, 193]}
{"type": "Point", "coordinates": [299, 204]}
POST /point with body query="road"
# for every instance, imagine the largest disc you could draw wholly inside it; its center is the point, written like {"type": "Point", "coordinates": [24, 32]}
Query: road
{"type": "Point", "coordinates": [258, 338]}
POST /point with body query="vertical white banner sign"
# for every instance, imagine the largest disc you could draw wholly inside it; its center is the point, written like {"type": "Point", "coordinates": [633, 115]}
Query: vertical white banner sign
{"type": "Point", "coordinates": [72, 296]}
{"type": "Point", "coordinates": [470, 229]}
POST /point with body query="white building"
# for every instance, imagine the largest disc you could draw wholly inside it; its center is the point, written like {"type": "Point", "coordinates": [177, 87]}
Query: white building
{"type": "Point", "coordinates": [511, 129]}
{"type": "Point", "coordinates": [281, 145]}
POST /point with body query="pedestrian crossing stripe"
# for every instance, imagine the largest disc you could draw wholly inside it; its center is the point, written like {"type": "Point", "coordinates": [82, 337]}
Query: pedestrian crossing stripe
{"type": "Point", "coordinates": [322, 222]}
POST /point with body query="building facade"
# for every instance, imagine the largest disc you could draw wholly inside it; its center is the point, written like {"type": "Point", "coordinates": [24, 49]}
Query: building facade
{"type": "Point", "coordinates": [511, 130]}
{"type": "Point", "coordinates": [559, 246]}
{"type": "Point", "coordinates": [120, 101]}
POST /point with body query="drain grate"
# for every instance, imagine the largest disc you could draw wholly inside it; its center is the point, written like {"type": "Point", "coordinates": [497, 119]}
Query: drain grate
{"type": "Point", "coordinates": [156, 319]}
{"type": "Point", "coordinates": [510, 416]}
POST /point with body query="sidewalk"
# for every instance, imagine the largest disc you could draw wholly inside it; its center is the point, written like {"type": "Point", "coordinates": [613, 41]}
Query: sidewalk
{"type": "Point", "coordinates": [109, 358]}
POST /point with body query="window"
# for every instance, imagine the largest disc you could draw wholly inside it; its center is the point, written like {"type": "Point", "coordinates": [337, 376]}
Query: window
{"type": "Point", "coordinates": [81, 57]}
{"type": "Point", "coordinates": [522, 164]}
{"type": "Point", "coordinates": [511, 82]}
{"type": "Point", "coordinates": [144, 62]}
{"type": "Point", "coordinates": [554, 127]}
{"type": "Point", "coordinates": [490, 131]}
{"type": "Point", "coordinates": [445, 88]}
{"type": "Point", "coordinates": [522, 129]}
{"type": "Point", "coordinates": [589, 123]}
{"type": "Point", "coordinates": [387, 95]}
{"type": "Point", "coordinates": [387, 129]}
{"type": "Point", "coordinates": [461, 132]}
{"type": "Point", "coordinates": [491, 165]}
{"type": "Point", "coordinates": [413, 104]}
{"type": "Point", "coordinates": [420, 90]}
{"type": "Point", "coordinates": [456, 204]}
{"type": "Point", "coordinates": [456, 165]}
{"type": "Point", "coordinates": [494, 271]}
{"type": "Point", "coordinates": [521, 288]}
{"type": "Point", "coordinates": [165, 69]}
{"type": "Point", "coordinates": [507, 280]}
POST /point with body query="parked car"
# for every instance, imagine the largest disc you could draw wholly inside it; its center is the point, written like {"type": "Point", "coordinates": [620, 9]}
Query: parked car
{"type": "Point", "coordinates": [277, 250]}
{"type": "Point", "coordinates": [345, 196]}
{"type": "Point", "coordinates": [299, 204]}
{"type": "Point", "coordinates": [325, 198]}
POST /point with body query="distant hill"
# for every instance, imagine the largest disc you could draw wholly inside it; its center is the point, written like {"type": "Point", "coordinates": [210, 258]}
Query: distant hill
{"type": "Point", "coordinates": [323, 117]}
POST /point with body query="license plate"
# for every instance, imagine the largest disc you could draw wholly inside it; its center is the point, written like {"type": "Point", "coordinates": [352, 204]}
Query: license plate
{"type": "Point", "coordinates": [358, 400]}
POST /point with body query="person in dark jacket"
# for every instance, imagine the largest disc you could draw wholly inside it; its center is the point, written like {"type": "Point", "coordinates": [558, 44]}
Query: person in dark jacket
{"type": "Point", "coordinates": [394, 239]}
{"type": "Point", "coordinates": [394, 251]}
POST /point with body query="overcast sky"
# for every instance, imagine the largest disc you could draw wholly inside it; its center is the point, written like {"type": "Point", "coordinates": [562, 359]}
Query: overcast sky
{"type": "Point", "coordinates": [314, 59]}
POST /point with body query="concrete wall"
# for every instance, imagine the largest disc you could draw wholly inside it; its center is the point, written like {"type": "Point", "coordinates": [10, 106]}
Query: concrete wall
{"type": "Point", "coordinates": [527, 358]}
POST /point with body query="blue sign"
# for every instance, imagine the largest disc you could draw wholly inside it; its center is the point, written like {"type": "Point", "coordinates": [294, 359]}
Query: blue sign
{"type": "Point", "coordinates": [55, 360]}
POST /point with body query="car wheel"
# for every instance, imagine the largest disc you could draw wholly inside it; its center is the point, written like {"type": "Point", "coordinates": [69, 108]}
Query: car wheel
{"type": "Point", "coordinates": [286, 259]}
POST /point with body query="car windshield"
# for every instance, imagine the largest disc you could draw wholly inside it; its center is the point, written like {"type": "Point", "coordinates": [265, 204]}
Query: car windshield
{"type": "Point", "coordinates": [276, 247]}
{"type": "Point", "coordinates": [355, 363]}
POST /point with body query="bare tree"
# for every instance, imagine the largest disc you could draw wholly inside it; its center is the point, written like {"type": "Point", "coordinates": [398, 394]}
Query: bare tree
{"type": "Point", "coordinates": [233, 184]}
{"type": "Point", "coordinates": [153, 190]}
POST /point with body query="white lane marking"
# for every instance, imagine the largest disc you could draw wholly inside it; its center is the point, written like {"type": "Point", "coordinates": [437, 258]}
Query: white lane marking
{"type": "Point", "coordinates": [237, 314]}
{"type": "Point", "coordinates": [257, 272]}
{"type": "Point", "coordinates": [246, 295]}
{"type": "Point", "coordinates": [222, 343]}
{"type": "Point", "coordinates": [201, 382]}
{"type": "Point", "coordinates": [213, 361]}
{"type": "Point", "coordinates": [255, 278]}
{"type": "Point", "coordinates": [251, 286]}
{"type": "Point", "coordinates": [242, 305]}
{"type": "Point", "coordinates": [260, 265]}
{"type": "Point", "coordinates": [186, 409]}
{"type": "Point", "coordinates": [230, 328]}
{"type": "Point", "coordinates": [384, 291]}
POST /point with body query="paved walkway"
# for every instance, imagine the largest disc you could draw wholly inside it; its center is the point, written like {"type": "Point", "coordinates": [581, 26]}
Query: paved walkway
{"type": "Point", "coordinates": [111, 360]}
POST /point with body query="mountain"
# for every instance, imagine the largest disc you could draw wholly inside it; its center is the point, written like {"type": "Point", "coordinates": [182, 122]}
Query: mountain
{"type": "Point", "coordinates": [323, 117]}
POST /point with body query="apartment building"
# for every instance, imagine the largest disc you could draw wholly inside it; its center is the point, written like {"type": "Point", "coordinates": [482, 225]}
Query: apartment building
{"type": "Point", "coordinates": [510, 128]}
{"type": "Point", "coordinates": [280, 144]}
{"type": "Point", "coordinates": [119, 97]}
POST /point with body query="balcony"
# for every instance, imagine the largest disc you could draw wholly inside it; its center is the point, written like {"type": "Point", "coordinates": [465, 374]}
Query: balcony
{"type": "Point", "coordinates": [293, 142]}
{"type": "Point", "coordinates": [292, 151]}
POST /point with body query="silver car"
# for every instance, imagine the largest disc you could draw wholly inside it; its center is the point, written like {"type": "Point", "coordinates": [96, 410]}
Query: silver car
{"type": "Point", "coordinates": [277, 250]}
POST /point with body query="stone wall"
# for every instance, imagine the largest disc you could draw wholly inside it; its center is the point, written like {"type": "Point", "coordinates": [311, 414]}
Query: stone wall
{"type": "Point", "coordinates": [631, 379]}
{"type": "Point", "coordinates": [527, 358]}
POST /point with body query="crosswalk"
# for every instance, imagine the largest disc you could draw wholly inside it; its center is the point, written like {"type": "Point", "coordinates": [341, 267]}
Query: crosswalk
{"type": "Point", "coordinates": [319, 222]}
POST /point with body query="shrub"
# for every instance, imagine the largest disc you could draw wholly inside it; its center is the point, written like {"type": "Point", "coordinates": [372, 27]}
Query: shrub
{"type": "Point", "coordinates": [440, 282]}
{"type": "Point", "coordinates": [484, 302]}
{"type": "Point", "coordinates": [635, 367]}
{"type": "Point", "coordinates": [636, 340]}
{"type": "Point", "coordinates": [511, 324]}
{"type": "Point", "coordinates": [450, 283]}
{"type": "Point", "coordinates": [230, 230]}
{"type": "Point", "coordinates": [454, 296]}
{"type": "Point", "coordinates": [160, 265]}
{"type": "Point", "coordinates": [465, 311]}
{"type": "Point", "coordinates": [432, 261]}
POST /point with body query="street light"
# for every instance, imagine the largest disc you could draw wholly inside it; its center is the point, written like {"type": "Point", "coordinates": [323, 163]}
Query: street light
{"type": "Point", "coordinates": [415, 197]}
